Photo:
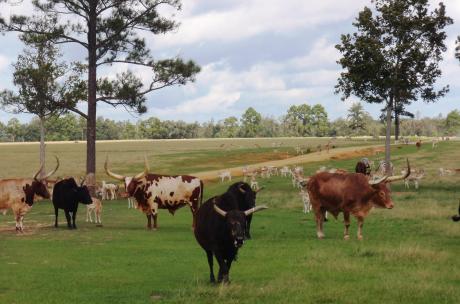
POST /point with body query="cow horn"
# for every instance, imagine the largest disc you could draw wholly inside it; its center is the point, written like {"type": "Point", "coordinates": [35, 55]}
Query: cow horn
{"type": "Point", "coordinates": [219, 211]}
{"type": "Point", "coordinates": [400, 177]}
{"type": "Point", "coordinates": [49, 174]}
{"type": "Point", "coordinates": [260, 189]}
{"type": "Point", "coordinates": [378, 181]}
{"type": "Point", "coordinates": [255, 209]}
{"type": "Point", "coordinates": [110, 173]}
{"type": "Point", "coordinates": [38, 172]}
{"type": "Point", "coordinates": [242, 190]}
{"type": "Point", "coordinates": [146, 170]}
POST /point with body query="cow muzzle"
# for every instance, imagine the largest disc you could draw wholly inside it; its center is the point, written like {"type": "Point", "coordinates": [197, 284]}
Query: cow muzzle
{"type": "Point", "coordinates": [389, 205]}
{"type": "Point", "coordinates": [239, 241]}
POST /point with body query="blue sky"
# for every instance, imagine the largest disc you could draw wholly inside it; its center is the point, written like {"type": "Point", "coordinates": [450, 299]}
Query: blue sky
{"type": "Point", "coordinates": [268, 54]}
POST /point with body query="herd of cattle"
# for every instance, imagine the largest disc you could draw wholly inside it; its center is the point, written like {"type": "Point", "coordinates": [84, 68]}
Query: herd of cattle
{"type": "Point", "coordinates": [222, 223]}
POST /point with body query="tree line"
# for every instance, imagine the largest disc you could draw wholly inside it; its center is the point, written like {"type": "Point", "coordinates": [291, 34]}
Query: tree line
{"type": "Point", "coordinates": [301, 120]}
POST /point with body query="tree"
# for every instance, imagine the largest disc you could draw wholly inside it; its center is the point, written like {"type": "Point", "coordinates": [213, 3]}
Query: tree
{"type": "Point", "coordinates": [230, 127]}
{"type": "Point", "coordinates": [357, 118]}
{"type": "Point", "coordinates": [250, 123]}
{"type": "Point", "coordinates": [14, 129]}
{"type": "Point", "coordinates": [394, 56]}
{"type": "Point", "coordinates": [306, 120]}
{"type": "Point", "coordinates": [45, 88]}
{"type": "Point", "coordinates": [320, 123]}
{"type": "Point", "coordinates": [299, 120]}
{"type": "Point", "coordinates": [453, 123]}
{"type": "Point", "coordinates": [111, 33]}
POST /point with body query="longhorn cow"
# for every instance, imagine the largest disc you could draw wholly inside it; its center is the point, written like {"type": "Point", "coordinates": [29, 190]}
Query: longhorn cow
{"type": "Point", "coordinates": [350, 193]}
{"type": "Point", "coordinates": [19, 194]}
{"type": "Point", "coordinates": [157, 191]}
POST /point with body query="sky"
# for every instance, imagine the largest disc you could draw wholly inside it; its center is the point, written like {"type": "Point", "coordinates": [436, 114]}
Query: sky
{"type": "Point", "coordinates": [265, 54]}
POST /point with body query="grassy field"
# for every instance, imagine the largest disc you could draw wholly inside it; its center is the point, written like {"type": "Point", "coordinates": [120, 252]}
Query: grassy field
{"type": "Point", "coordinates": [165, 156]}
{"type": "Point", "coordinates": [408, 255]}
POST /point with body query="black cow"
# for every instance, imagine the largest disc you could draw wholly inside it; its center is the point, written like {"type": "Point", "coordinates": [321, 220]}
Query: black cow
{"type": "Point", "coordinates": [456, 218]}
{"type": "Point", "coordinates": [363, 167]}
{"type": "Point", "coordinates": [66, 195]}
{"type": "Point", "coordinates": [221, 226]}
{"type": "Point", "coordinates": [246, 200]}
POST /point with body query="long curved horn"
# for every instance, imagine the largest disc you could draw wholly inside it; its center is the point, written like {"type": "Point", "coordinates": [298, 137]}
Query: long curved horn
{"type": "Point", "coordinates": [219, 211]}
{"type": "Point", "coordinates": [145, 172]}
{"type": "Point", "coordinates": [110, 173]}
{"type": "Point", "coordinates": [400, 177]}
{"type": "Point", "coordinates": [38, 172]}
{"type": "Point", "coordinates": [255, 209]}
{"type": "Point", "coordinates": [378, 181]}
{"type": "Point", "coordinates": [260, 189]}
{"type": "Point", "coordinates": [54, 171]}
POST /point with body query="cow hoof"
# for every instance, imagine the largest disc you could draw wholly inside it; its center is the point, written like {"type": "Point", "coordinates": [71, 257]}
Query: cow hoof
{"type": "Point", "coordinates": [360, 237]}
{"type": "Point", "coordinates": [346, 237]}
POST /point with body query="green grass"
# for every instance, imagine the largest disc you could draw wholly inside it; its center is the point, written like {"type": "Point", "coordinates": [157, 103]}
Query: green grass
{"type": "Point", "coordinates": [408, 255]}
{"type": "Point", "coordinates": [165, 156]}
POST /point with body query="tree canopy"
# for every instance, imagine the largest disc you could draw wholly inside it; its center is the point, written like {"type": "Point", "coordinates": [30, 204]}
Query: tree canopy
{"type": "Point", "coordinates": [110, 32]}
{"type": "Point", "coordinates": [393, 57]}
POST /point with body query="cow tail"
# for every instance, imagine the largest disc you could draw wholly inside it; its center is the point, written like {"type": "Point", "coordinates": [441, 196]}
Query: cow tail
{"type": "Point", "coordinates": [201, 193]}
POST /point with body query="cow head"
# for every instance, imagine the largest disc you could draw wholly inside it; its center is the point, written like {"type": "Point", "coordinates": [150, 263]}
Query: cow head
{"type": "Point", "coordinates": [38, 186]}
{"type": "Point", "coordinates": [130, 182]}
{"type": "Point", "coordinates": [382, 194]}
{"type": "Point", "coordinates": [83, 195]}
{"type": "Point", "coordinates": [245, 192]}
{"type": "Point", "coordinates": [236, 222]}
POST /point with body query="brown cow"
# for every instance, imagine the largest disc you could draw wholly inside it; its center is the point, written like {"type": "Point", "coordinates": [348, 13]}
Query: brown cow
{"type": "Point", "coordinates": [155, 191]}
{"type": "Point", "coordinates": [19, 194]}
{"type": "Point", "coordinates": [348, 193]}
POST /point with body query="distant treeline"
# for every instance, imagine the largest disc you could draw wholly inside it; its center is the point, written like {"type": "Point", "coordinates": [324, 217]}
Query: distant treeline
{"type": "Point", "coordinates": [303, 120]}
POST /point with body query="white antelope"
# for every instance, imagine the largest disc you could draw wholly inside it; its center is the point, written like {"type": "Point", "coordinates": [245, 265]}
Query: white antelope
{"type": "Point", "coordinates": [96, 208]}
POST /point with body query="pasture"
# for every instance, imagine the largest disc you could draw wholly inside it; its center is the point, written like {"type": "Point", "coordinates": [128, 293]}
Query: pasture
{"type": "Point", "coordinates": [409, 254]}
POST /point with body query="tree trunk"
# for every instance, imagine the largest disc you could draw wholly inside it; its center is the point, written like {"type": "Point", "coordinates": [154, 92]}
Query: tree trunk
{"type": "Point", "coordinates": [91, 120]}
{"type": "Point", "coordinates": [388, 136]}
{"type": "Point", "coordinates": [397, 121]}
{"type": "Point", "coordinates": [42, 146]}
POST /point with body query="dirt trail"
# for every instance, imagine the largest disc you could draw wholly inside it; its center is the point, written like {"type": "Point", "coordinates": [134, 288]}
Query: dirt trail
{"type": "Point", "coordinates": [339, 153]}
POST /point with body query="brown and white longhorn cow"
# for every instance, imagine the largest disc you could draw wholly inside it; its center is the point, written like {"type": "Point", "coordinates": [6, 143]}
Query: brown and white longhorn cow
{"type": "Point", "coordinates": [350, 193]}
{"type": "Point", "coordinates": [156, 191]}
{"type": "Point", "coordinates": [19, 194]}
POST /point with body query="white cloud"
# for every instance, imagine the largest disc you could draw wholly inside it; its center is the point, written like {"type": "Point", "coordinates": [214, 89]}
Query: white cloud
{"type": "Point", "coordinates": [253, 17]}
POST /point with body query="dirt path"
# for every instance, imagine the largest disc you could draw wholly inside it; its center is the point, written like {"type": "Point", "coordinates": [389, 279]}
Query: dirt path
{"type": "Point", "coordinates": [339, 153]}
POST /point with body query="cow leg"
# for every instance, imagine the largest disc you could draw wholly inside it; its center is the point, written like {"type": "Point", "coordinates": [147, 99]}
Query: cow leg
{"type": "Point", "coordinates": [67, 216]}
{"type": "Point", "coordinates": [360, 227]}
{"type": "Point", "coordinates": [212, 278]}
{"type": "Point", "coordinates": [17, 218]}
{"type": "Point", "coordinates": [223, 269]}
{"type": "Point", "coordinates": [149, 220]}
{"type": "Point", "coordinates": [248, 226]}
{"type": "Point", "coordinates": [56, 217]}
{"type": "Point", "coordinates": [346, 220]}
{"type": "Point", "coordinates": [74, 216]}
{"type": "Point", "coordinates": [193, 210]}
{"type": "Point", "coordinates": [319, 224]}
{"type": "Point", "coordinates": [155, 225]}
{"type": "Point", "coordinates": [88, 215]}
